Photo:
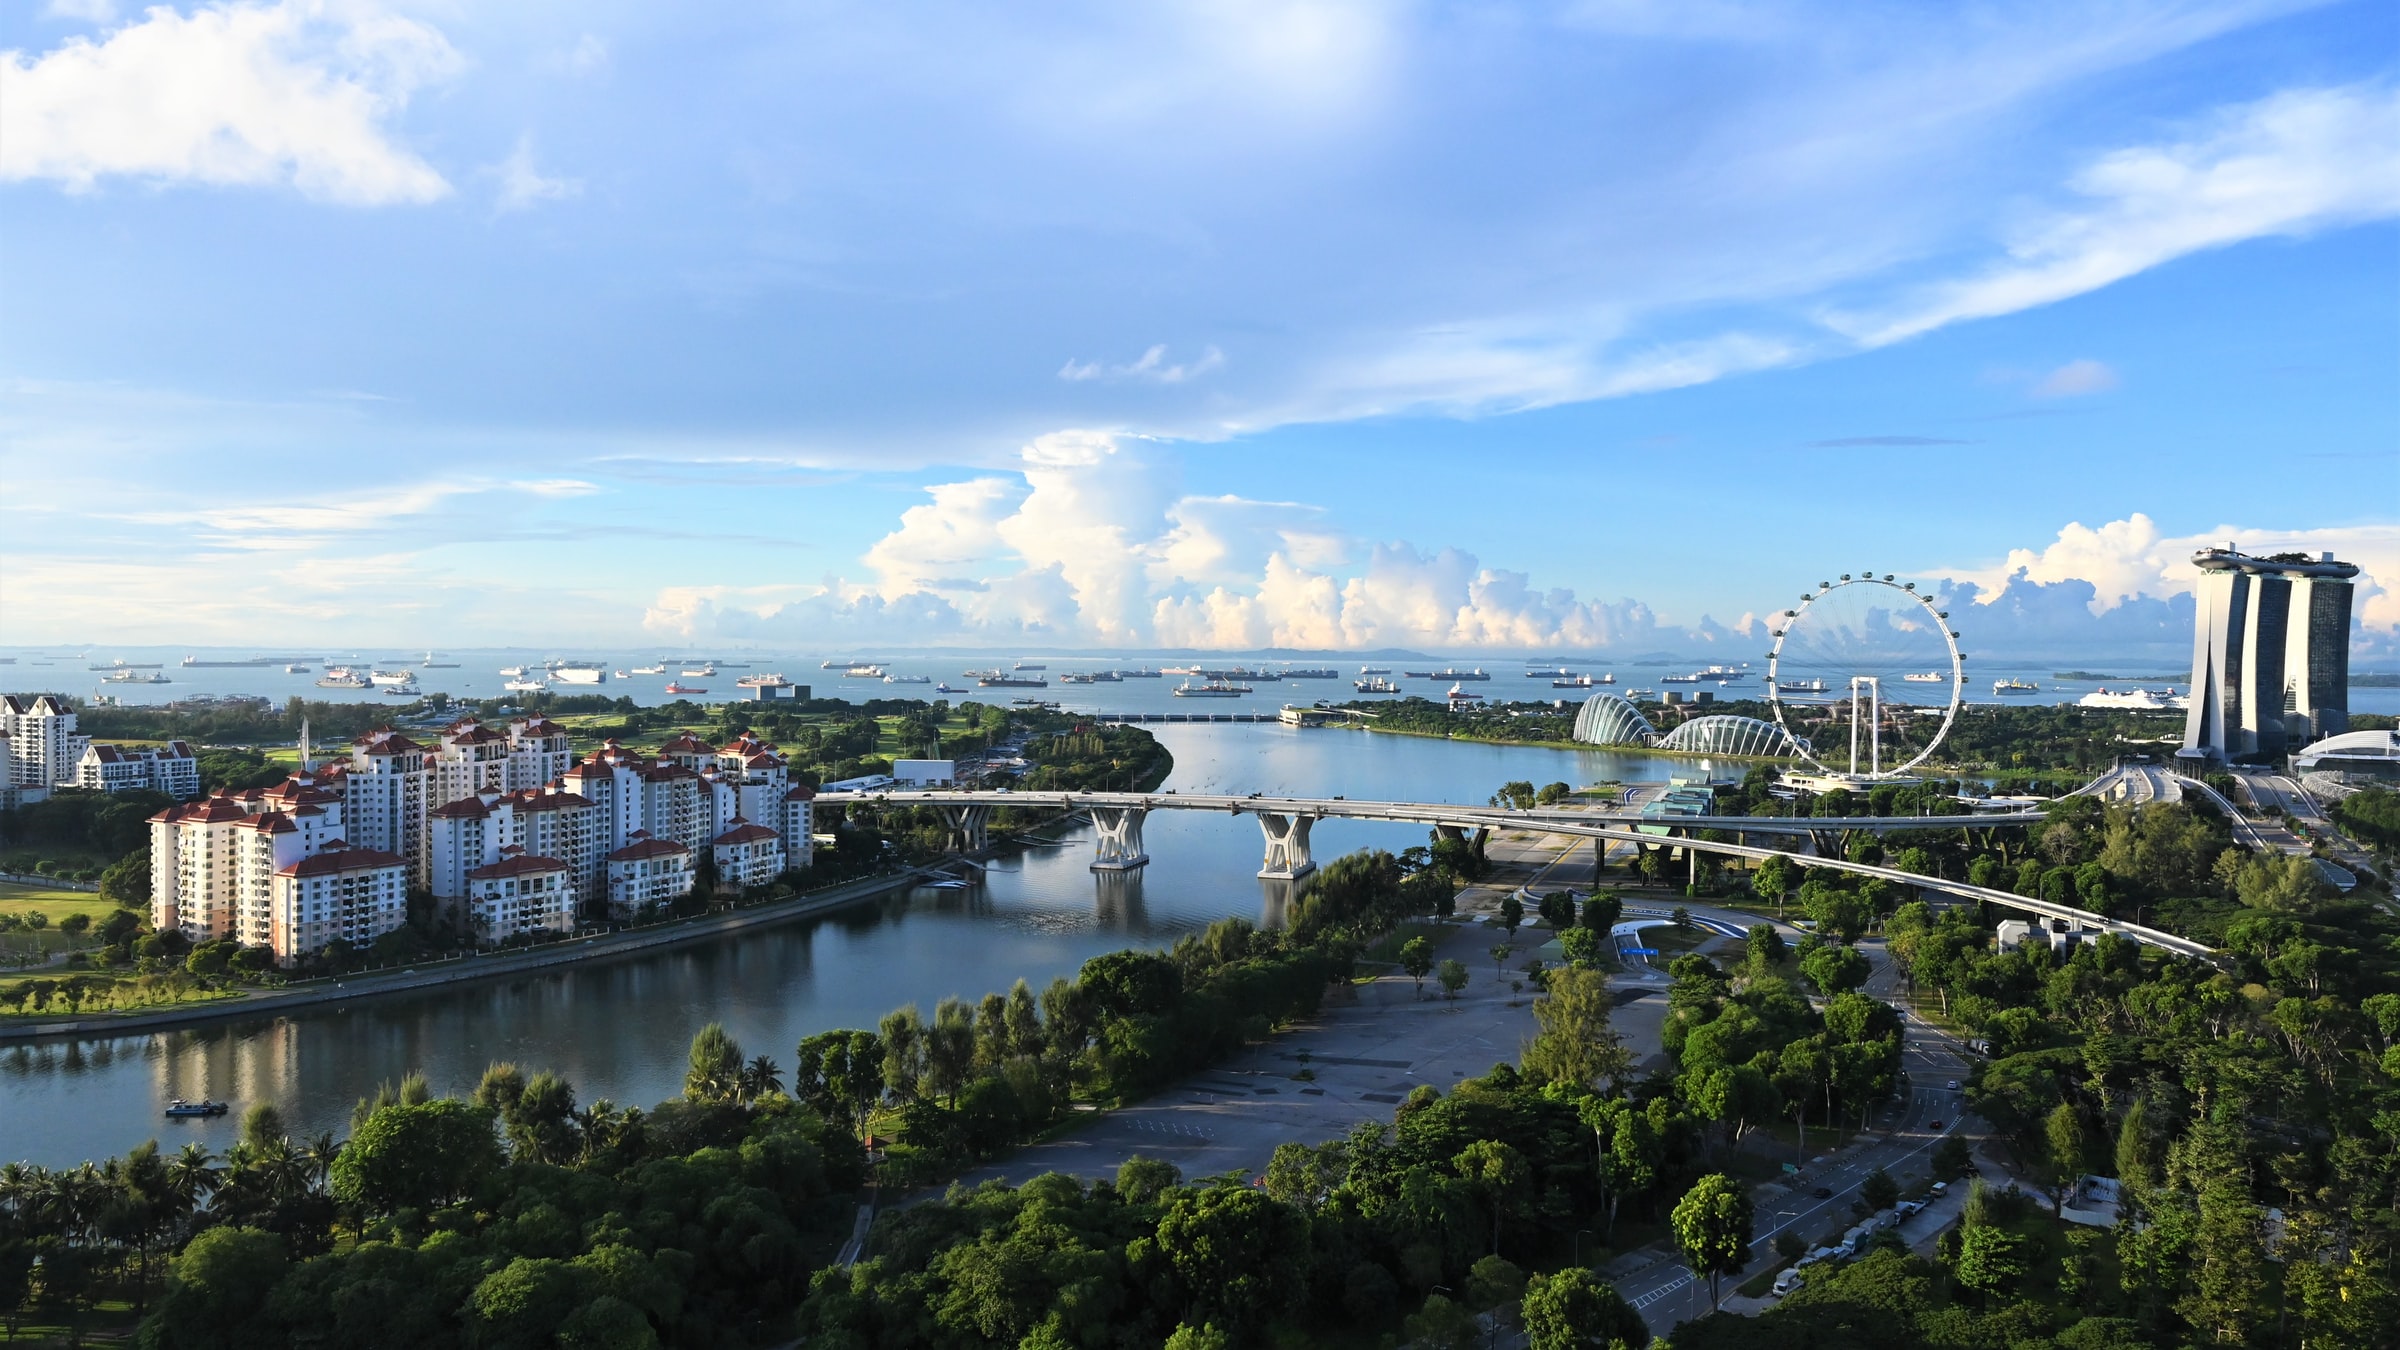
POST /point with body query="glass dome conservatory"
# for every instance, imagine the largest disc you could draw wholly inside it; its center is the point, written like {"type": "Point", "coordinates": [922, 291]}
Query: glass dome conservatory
{"type": "Point", "coordinates": [1610, 719]}
{"type": "Point", "coordinates": [1725, 734]}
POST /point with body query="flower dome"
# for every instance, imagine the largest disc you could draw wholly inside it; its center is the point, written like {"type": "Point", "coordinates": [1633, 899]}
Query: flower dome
{"type": "Point", "coordinates": [1610, 719]}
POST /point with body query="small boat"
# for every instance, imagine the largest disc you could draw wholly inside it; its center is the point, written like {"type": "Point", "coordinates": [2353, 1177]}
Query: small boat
{"type": "Point", "coordinates": [2015, 687]}
{"type": "Point", "coordinates": [623, 676]}
{"type": "Point", "coordinates": [863, 671]}
{"type": "Point", "coordinates": [1641, 693]}
{"type": "Point", "coordinates": [181, 1110]}
{"type": "Point", "coordinates": [341, 677]}
{"type": "Point", "coordinates": [674, 688]}
{"type": "Point", "coordinates": [944, 688]}
{"type": "Point", "coordinates": [522, 686]}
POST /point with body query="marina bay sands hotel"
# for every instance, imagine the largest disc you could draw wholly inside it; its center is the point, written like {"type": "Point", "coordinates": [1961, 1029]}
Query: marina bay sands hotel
{"type": "Point", "coordinates": [2270, 653]}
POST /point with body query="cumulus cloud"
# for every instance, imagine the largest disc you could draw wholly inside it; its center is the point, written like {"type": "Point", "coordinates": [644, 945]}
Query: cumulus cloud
{"type": "Point", "coordinates": [522, 186]}
{"type": "Point", "coordinates": [301, 92]}
{"type": "Point", "coordinates": [2076, 378]}
{"type": "Point", "coordinates": [1152, 365]}
{"type": "Point", "coordinates": [2137, 581]}
{"type": "Point", "coordinates": [2301, 161]}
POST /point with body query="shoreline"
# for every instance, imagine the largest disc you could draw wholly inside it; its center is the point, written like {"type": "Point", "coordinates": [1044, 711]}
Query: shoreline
{"type": "Point", "coordinates": [475, 969]}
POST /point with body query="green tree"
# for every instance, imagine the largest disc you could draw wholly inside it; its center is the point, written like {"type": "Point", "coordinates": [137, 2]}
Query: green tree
{"type": "Point", "coordinates": [1835, 969]}
{"type": "Point", "coordinates": [417, 1156]}
{"type": "Point", "coordinates": [1141, 1180]}
{"type": "Point", "coordinates": [2062, 1130]}
{"type": "Point", "coordinates": [217, 1292]}
{"type": "Point", "coordinates": [1416, 958]}
{"type": "Point", "coordinates": [840, 1074]}
{"type": "Point", "coordinates": [715, 1073]}
{"type": "Point", "coordinates": [1763, 947]}
{"type": "Point", "coordinates": [1499, 1172]}
{"type": "Point", "coordinates": [1879, 1191]}
{"type": "Point", "coordinates": [1237, 1255]}
{"type": "Point", "coordinates": [1552, 794]}
{"type": "Point", "coordinates": [1582, 947]}
{"type": "Point", "coordinates": [1441, 1325]}
{"type": "Point", "coordinates": [1512, 914]}
{"type": "Point", "coordinates": [1991, 1259]}
{"type": "Point", "coordinates": [1602, 911]}
{"type": "Point", "coordinates": [1574, 1043]}
{"type": "Point", "coordinates": [1712, 1228]}
{"type": "Point", "coordinates": [1452, 976]}
{"type": "Point", "coordinates": [1573, 1310]}
{"type": "Point", "coordinates": [1558, 910]}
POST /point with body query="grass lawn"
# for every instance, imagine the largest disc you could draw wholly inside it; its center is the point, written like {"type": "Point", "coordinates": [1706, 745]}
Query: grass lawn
{"type": "Point", "coordinates": [16, 899]}
{"type": "Point", "coordinates": [1386, 950]}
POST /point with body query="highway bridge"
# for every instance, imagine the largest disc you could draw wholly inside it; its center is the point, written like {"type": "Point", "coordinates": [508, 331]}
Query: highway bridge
{"type": "Point", "coordinates": [1285, 822]}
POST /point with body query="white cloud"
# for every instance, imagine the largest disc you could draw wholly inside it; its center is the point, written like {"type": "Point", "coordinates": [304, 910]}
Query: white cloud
{"type": "Point", "coordinates": [522, 186]}
{"type": "Point", "coordinates": [300, 92]}
{"type": "Point", "coordinates": [2075, 379]}
{"type": "Point", "coordinates": [2302, 161]}
{"type": "Point", "coordinates": [1152, 365]}
{"type": "Point", "coordinates": [86, 11]}
{"type": "Point", "coordinates": [2129, 560]}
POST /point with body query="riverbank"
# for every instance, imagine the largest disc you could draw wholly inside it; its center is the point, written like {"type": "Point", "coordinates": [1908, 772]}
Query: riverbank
{"type": "Point", "coordinates": [470, 969]}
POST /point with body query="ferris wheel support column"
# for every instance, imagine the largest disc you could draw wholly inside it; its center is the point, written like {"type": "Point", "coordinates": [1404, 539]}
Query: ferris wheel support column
{"type": "Point", "coordinates": [1873, 688]}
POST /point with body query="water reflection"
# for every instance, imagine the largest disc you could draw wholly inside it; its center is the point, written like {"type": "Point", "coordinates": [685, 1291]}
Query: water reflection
{"type": "Point", "coordinates": [620, 1029]}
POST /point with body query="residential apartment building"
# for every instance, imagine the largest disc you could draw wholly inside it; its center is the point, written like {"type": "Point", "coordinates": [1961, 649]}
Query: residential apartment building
{"type": "Point", "coordinates": [171, 768]}
{"type": "Point", "coordinates": [646, 873]}
{"type": "Point", "coordinates": [481, 829]}
{"type": "Point", "coordinates": [747, 855]}
{"type": "Point", "coordinates": [519, 895]}
{"type": "Point", "coordinates": [270, 868]}
{"type": "Point", "coordinates": [354, 894]}
{"type": "Point", "coordinates": [43, 747]}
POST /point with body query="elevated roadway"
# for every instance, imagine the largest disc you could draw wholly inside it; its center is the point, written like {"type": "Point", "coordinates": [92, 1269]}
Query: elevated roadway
{"type": "Point", "coordinates": [1286, 821]}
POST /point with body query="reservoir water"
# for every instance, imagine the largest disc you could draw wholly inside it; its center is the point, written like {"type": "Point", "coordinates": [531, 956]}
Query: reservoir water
{"type": "Point", "coordinates": [620, 1029]}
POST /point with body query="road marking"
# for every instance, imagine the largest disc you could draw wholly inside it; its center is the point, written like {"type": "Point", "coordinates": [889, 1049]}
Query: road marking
{"type": "Point", "coordinates": [1662, 1291]}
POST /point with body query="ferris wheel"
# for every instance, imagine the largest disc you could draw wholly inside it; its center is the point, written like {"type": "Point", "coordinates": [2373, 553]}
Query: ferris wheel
{"type": "Point", "coordinates": [1868, 663]}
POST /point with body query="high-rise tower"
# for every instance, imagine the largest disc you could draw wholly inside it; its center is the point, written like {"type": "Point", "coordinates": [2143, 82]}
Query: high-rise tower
{"type": "Point", "coordinates": [2270, 653]}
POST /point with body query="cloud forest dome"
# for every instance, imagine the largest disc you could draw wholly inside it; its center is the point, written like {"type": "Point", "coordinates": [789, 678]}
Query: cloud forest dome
{"type": "Point", "coordinates": [1611, 719]}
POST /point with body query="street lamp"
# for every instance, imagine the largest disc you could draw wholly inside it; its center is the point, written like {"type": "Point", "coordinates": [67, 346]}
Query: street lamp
{"type": "Point", "coordinates": [1580, 1234]}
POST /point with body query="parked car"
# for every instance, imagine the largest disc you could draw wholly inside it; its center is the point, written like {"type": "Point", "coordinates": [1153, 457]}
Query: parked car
{"type": "Point", "coordinates": [1952, 1085]}
{"type": "Point", "coordinates": [1823, 1192]}
{"type": "Point", "coordinates": [1941, 1187]}
{"type": "Point", "coordinates": [1786, 1282]}
{"type": "Point", "coordinates": [1933, 1124]}
{"type": "Point", "coordinates": [1907, 1208]}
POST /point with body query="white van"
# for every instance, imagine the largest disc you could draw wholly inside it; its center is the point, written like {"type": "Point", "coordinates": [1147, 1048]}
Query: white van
{"type": "Point", "coordinates": [1787, 1282]}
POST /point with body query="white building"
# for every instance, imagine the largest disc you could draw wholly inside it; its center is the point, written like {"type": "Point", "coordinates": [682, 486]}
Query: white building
{"type": "Point", "coordinates": [522, 893]}
{"type": "Point", "coordinates": [483, 829]}
{"type": "Point", "coordinates": [270, 868]}
{"type": "Point", "coordinates": [171, 768]}
{"type": "Point", "coordinates": [747, 855]}
{"type": "Point", "coordinates": [647, 873]}
{"type": "Point", "coordinates": [925, 773]}
{"type": "Point", "coordinates": [14, 794]}
{"type": "Point", "coordinates": [354, 894]}
{"type": "Point", "coordinates": [385, 787]}
{"type": "Point", "coordinates": [43, 747]}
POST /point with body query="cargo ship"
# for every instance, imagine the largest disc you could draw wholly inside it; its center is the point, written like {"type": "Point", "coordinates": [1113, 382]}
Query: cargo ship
{"type": "Point", "coordinates": [1211, 689]}
{"type": "Point", "coordinates": [674, 688]}
{"type": "Point", "coordinates": [1011, 682]}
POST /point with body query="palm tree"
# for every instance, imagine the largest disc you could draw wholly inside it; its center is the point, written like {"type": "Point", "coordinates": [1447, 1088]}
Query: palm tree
{"type": "Point", "coordinates": [319, 1154]}
{"type": "Point", "coordinates": [760, 1078]}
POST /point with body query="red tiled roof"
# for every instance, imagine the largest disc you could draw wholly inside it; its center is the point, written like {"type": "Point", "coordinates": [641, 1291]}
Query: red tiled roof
{"type": "Point", "coordinates": [743, 832]}
{"type": "Point", "coordinates": [273, 822]}
{"type": "Point", "coordinates": [533, 799]}
{"type": "Point", "coordinates": [477, 734]}
{"type": "Point", "coordinates": [687, 744]}
{"type": "Point", "coordinates": [528, 864]}
{"type": "Point", "coordinates": [334, 860]}
{"type": "Point", "coordinates": [801, 792]}
{"type": "Point", "coordinates": [648, 848]}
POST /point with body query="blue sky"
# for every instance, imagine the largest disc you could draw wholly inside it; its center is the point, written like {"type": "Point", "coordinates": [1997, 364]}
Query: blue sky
{"type": "Point", "coordinates": [1498, 327]}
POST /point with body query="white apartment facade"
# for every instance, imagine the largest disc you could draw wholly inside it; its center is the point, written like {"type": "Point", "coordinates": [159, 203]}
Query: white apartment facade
{"type": "Point", "coordinates": [747, 855]}
{"type": "Point", "coordinates": [647, 873]}
{"type": "Point", "coordinates": [271, 869]}
{"type": "Point", "coordinates": [520, 895]}
{"type": "Point", "coordinates": [42, 742]}
{"type": "Point", "coordinates": [171, 768]}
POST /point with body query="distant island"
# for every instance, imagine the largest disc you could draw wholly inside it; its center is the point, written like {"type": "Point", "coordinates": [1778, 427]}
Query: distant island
{"type": "Point", "coordinates": [2375, 679]}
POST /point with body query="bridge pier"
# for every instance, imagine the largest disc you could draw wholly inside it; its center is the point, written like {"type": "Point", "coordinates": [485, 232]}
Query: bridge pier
{"type": "Point", "coordinates": [1287, 857]}
{"type": "Point", "coordinates": [1118, 846]}
{"type": "Point", "coordinates": [968, 827]}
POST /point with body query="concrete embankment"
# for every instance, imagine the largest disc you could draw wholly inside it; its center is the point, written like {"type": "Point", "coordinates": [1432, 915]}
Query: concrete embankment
{"type": "Point", "coordinates": [463, 970]}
